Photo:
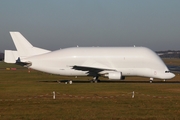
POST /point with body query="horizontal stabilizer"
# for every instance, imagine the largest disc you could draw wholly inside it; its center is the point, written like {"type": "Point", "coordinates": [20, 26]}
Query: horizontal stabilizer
{"type": "Point", "coordinates": [10, 56]}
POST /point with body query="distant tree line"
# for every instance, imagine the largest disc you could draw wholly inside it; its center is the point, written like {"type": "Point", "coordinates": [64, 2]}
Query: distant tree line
{"type": "Point", "coordinates": [169, 54]}
{"type": "Point", "coordinates": [1, 56]}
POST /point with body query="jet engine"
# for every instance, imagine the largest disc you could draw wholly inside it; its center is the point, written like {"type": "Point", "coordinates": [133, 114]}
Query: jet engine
{"type": "Point", "coordinates": [115, 76]}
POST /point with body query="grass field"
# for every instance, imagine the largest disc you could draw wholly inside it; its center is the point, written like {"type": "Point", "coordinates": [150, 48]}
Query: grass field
{"type": "Point", "coordinates": [28, 96]}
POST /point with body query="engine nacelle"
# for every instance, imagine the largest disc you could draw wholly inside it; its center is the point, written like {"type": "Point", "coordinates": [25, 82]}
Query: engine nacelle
{"type": "Point", "coordinates": [115, 76]}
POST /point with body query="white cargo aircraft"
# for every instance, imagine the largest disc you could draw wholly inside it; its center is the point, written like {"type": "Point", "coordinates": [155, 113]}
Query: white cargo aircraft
{"type": "Point", "coordinates": [113, 62]}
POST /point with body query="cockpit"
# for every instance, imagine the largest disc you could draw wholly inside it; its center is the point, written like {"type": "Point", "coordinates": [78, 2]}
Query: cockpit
{"type": "Point", "coordinates": [167, 71]}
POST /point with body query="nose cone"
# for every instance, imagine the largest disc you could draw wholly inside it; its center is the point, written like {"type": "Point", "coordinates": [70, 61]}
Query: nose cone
{"type": "Point", "coordinates": [170, 75]}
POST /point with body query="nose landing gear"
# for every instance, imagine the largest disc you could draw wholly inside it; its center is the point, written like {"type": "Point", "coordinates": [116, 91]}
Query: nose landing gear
{"type": "Point", "coordinates": [151, 80]}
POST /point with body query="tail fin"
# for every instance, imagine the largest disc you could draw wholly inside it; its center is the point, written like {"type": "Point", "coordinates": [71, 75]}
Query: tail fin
{"type": "Point", "coordinates": [24, 48]}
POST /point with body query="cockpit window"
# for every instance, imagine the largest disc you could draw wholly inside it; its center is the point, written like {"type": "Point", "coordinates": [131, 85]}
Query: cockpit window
{"type": "Point", "coordinates": [167, 71]}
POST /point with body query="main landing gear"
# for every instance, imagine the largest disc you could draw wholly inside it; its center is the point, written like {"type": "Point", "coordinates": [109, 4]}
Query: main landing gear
{"type": "Point", "coordinates": [95, 79]}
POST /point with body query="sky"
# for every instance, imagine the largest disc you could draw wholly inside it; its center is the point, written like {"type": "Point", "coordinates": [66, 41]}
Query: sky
{"type": "Point", "coordinates": [55, 24]}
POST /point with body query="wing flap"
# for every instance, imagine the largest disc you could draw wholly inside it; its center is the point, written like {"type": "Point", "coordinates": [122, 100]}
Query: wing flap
{"type": "Point", "coordinates": [92, 71]}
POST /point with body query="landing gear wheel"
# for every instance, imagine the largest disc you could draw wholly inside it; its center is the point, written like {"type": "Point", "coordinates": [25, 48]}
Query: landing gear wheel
{"type": "Point", "coordinates": [95, 80]}
{"type": "Point", "coordinates": [151, 80]}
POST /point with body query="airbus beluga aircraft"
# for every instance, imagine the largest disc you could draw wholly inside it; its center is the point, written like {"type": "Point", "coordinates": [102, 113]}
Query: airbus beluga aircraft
{"type": "Point", "coordinates": [115, 63]}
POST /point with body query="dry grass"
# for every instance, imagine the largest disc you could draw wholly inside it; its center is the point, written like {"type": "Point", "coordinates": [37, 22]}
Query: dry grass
{"type": "Point", "coordinates": [169, 61]}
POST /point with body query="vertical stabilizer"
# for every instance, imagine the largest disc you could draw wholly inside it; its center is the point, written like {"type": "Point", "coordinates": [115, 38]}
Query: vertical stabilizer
{"type": "Point", "coordinates": [24, 47]}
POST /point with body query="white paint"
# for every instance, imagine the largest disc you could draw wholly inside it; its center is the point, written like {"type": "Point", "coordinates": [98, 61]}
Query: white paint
{"type": "Point", "coordinates": [54, 95]}
{"type": "Point", "coordinates": [133, 94]}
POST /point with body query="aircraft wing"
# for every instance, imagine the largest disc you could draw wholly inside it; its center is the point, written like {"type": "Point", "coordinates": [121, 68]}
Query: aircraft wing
{"type": "Point", "coordinates": [92, 71]}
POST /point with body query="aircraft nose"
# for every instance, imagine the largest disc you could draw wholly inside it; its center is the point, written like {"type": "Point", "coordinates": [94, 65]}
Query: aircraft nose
{"type": "Point", "coordinates": [171, 75]}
